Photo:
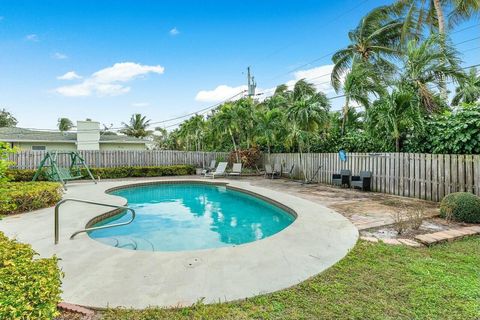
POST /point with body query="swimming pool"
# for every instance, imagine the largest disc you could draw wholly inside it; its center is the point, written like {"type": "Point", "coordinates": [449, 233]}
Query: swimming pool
{"type": "Point", "coordinates": [191, 216]}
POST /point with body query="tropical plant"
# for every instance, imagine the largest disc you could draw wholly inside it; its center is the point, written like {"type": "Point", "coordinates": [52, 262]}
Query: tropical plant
{"type": "Point", "coordinates": [7, 119]}
{"type": "Point", "coordinates": [359, 86]}
{"type": "Point", "coordinates": [64, 124]}
{"type": "Point", "coordinates": [307, 112]}
{"type": "Point", "coordinates": [468, 90]}
{"type": "Point", "coordinates": [5, 151]}
{"type": "Point", "coordinates": [137, 126]}
{"type": "Point", "coordinates": [426, 65]}
{"type": "Point", "coordinates": [394, 114]}
{"type": "Point", "coordinates": [374, 42]}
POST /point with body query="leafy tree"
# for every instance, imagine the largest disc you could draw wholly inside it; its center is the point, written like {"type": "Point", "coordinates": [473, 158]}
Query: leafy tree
{"type": "Point", "coordinates": [469, 89]}
{"type": "Point", "coordinates": [454, 132]}
{"type": "Point", "coordinates": [5, 150]}
{"type": "Point", "coordinates": [7, 119]}
{"type": "Point", "coordinates": [64, 124]}
{"type": "Point", "coordinates": [137, 126]}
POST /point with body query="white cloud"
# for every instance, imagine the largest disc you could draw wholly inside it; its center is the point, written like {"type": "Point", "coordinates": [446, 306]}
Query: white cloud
{"type": "Point", "coordinates": [174, 31]}
{"type": "Point", "coordinates": [105, 82]}
{"type": "Point", "coordinates": [32, 37]}
{"type": "Point", "coordinates": [59, 56]}
{"type": "Point", "coordinates": [70, 75]}
{"type": "Point", "coordinates": [218, 94]}
{"type": "Point", "coordinates": [140, 104]}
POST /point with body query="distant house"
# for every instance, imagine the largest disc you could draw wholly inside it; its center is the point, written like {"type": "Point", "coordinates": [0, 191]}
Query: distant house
{"type": "Point", "coordinates": [87, 137]}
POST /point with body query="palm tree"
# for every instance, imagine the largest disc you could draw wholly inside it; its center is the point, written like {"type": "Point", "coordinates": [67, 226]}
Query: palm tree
{"type": "Point", "coordinates": [373, 42]}
{"type": "Point", "coordinates": [64, 124]}
{"type": "Point", "coordinates": [307, 112]}
{"type": "Point", "coordinates": [469, 89]}
{"type": "Point", "coordinates": [137, 126]}
{"type": "Point", "coordinates": [226, 120]}
{"type": "Point", "coordinates": [426, 65]}
{"type": "Point", "coordinates": [268, 125]}
{"type": "Point", "coordinates": [430, 13]}
{"type": "Point", "coordinates": [360, 83]}
{"type": "Point", "coordinates": [394, 114]}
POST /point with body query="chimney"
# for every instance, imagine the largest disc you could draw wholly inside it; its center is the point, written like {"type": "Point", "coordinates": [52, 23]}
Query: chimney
{"type": "Point", "coordinates": [88, 135]}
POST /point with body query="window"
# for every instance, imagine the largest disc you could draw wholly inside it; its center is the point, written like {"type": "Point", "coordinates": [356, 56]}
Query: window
{"type": "Point", "coordinates": [38, 148]}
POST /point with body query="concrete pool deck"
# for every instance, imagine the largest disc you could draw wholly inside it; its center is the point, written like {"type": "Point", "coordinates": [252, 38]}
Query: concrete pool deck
{"type": "Point", "coordinates": [99, 276]}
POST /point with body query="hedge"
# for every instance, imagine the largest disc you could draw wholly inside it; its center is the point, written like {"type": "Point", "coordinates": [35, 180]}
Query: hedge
{"type": "Point", "coordinates": [113, 173]}
{"type": "Point", "coordinates": [17, 197]}
{"type": "Point", "coordinates": [29, 288]}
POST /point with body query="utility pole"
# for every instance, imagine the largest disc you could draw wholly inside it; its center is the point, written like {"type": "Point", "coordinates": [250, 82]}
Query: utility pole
{"type": "Point", "coordinates": [252, 85]}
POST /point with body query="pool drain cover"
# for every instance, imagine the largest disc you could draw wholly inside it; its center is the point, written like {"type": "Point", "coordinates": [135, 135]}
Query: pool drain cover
{"type": "Point", "coordinates": [193, 262]}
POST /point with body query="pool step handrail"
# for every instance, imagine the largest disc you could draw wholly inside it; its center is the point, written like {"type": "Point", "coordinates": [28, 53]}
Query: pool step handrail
{"type": "Point", "coordinates": [57, 207]}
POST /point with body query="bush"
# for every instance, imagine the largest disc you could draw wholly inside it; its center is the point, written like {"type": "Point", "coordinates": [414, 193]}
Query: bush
{"type": "Point", "coordinates": [29, 288]}
{"type": "Point", "coordinates": [461, 206]}
{"type": "Point", "coordinates": [113, 173]}
{"type": "Point", "coordinates": [249, 157]}
{"type": "Point", "coordinates": [16, 197]}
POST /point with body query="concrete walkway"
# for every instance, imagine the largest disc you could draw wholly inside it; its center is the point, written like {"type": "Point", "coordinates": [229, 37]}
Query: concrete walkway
{"type": "Point", "coordinates": [97, 275]}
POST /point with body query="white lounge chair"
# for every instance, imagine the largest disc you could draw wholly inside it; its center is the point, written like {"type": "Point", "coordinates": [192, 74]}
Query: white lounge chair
{"type": "Point", "coordinates": [236, 170]}
{"type": "Point", "coordinates": [219, 171]}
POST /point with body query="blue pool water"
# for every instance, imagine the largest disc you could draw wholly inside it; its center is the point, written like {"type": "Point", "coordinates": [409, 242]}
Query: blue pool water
{"type": "Point", "coordinates": [176, 217]}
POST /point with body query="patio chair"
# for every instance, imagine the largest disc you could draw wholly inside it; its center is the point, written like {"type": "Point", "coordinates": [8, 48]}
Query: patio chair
{"type": "Point", "coordinates": [271, 173]}
{"type": "Point", "coordinates": [277, 170]}
{"type": "Point", "coordinates": [342, 179]}
{"type": "Point", "coordinates": [363, 181]}
{"type": "Point", "coordinates": [211, 167]}
{"type": "Point", "coordinates": [236, 170]}
{"type": "Point", "coordinates": [219, 171]}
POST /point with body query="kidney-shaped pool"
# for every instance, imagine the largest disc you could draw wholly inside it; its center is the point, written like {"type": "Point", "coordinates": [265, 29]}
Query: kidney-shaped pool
{"type": "Point", "coordinates": [191, 216]}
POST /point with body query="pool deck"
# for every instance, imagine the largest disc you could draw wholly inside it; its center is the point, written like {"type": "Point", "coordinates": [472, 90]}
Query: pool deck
{"type": "Point", "coordinates": [98, 275]}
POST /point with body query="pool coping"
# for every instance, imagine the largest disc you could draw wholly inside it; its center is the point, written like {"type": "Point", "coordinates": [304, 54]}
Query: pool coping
{"type": "Point", "coordinates": [98, 275]}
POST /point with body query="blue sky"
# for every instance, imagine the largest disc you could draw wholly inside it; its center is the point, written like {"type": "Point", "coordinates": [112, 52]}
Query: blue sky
{"type": "Point", "coordinates": [108, 59]}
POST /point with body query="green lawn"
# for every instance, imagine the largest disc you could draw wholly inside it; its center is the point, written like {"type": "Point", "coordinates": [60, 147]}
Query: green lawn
{"type": "Point", "coordinates": [374, 281]}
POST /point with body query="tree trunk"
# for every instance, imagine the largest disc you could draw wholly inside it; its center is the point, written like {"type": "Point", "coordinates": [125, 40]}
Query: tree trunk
{"type": "Point", "coordinates": [441, 31]}
{"type": "Point", "coordinates": [345, 114]}
{"type": "Point", "coordinates": [234, 144]}
{"type": "Point", "coordinates": [440, 16]}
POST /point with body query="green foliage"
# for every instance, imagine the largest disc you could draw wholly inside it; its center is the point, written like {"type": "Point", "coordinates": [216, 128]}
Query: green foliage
{"type": "Point", "coordinates": [29, 288]}
{"type": "Point", "coordinates": [7, 119]}
{"type": "Point", "coordinates": [17, 197]}
{"type": "Point", "coordinates": [374, 281]}
{"type": "Point", "coordinates": [113, 173]}
{"type": "Point", "coordinates": [64, 124]}
{"type": "Point", "coordinates": [461, 206]}
{"type": "Point", "coordinates": [456, 132]}
{"type": "Point", "coordinates": [137, 126]}
{"type": "Point", "coordinates": [5, 150]}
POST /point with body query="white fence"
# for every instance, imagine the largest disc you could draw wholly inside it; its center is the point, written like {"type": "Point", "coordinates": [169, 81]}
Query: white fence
{"type": "Point", "coordinates": [418, 175]}
{"type": "Point", "coordinates": [121, 158]}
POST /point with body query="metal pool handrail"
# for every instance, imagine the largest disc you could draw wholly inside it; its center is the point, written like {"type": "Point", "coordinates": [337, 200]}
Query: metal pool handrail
{"type": "Point", "coordinates": [57, 206]}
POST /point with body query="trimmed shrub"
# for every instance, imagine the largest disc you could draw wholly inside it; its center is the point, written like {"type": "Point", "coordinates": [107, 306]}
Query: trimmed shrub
{"type": "Point", "coordinates": [113, 173]}
{"type": "Point", "coordinates": [17, 197]}
{"type": "Point", "coordinates": [461, 206]}
{"type": "Point", "coordinates": [29, 288]}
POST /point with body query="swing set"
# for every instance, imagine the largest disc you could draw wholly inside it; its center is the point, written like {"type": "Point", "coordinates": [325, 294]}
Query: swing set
{"type": "Point", "coordinates": [50, 167]}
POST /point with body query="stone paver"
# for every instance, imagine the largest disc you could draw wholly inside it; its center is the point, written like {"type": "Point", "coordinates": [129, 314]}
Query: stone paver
{"type": "Point", "coordinates": [409, 242]}
{"type": "Point", "coordinates": [448, 235]}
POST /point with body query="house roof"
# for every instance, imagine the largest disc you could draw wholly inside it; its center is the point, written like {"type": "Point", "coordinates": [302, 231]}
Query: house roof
{"type": "Point", "coordinates": [13, 134]}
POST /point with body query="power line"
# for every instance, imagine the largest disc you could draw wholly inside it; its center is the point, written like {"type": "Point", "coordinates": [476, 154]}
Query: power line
{"type": "Point", "coordinates": [322, 26]}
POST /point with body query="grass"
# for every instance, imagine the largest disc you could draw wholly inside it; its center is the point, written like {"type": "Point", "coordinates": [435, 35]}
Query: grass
{"type": "Point", "coordinates": [374, 281]}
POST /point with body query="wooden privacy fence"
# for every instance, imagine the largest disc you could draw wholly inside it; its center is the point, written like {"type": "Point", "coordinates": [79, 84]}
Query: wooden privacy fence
{"type": "Point", "coordinates": [122, 158]}
{"type": "Point", "coordinates": [417, 175]}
